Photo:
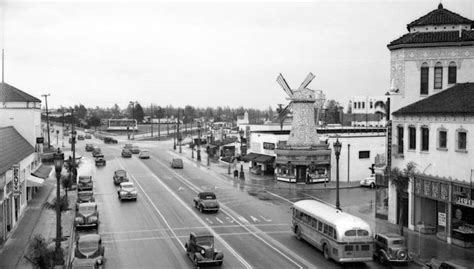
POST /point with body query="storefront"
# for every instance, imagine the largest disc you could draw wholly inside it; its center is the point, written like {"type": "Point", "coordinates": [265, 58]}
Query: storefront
{"type": "Point", "coordinates": [431, 205]}
{"type": "Point", "coordinates": [260, 163]}
{"type": "Point", "coordinates": [462, 232]}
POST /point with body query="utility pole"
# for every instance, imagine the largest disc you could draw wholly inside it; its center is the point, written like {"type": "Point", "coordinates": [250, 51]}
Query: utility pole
{"type": "Point", "coordinates": [73, 148]}
{"type": "Point", "coordinates": [179, 135]}
{"type": "Point", "coordinates": [151, 119]}
{"type": "Point", "coordinates": [47, 113]}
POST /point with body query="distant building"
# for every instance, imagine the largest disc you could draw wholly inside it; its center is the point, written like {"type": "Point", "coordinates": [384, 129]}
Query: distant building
{"type": "Point", "coordinates": [366, 104]}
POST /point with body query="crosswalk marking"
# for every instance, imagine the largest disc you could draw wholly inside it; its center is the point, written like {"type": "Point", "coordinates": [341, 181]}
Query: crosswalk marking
{"type": "Point", "coordinates": [208, 220]}
{"type": "Point", "coordinates": [267, 220]}
{"type": "Point", "coordinates": [242, 219]}
{"type": "Point", "coordinates": [219, 220]}
{"type": "Point", "coordinates": [254, 219]}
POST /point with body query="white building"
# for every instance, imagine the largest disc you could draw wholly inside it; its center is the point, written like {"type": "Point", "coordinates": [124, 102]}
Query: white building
{"type": "Point", "coordinates": [366, 104]}
{"type": "Point", "coordinates": [433, 124]}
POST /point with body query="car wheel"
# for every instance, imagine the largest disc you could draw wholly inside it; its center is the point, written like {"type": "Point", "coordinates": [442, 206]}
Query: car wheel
{"type": "Point", "coordinates": [219, 263]}
{"type": "Point", "coordinates": [298, 233]}
{"type": "Point", "coordinates": [382, 258]}
{"type": "Point", "coordinates": [372, 185]}
{"type": "Point", "coordinates": [326, 252]}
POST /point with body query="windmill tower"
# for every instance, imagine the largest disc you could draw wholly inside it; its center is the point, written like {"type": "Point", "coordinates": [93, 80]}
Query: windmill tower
{"type": "Point", "coordinates": [303, 132]}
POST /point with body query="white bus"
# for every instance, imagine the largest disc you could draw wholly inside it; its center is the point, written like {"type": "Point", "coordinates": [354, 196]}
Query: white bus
{"type": "Point", "coordinates": [339, 235]}
{"type": "Point", "coordinates": [122, 124]}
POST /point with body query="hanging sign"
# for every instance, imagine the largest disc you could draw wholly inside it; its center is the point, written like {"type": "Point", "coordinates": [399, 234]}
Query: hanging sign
{"type": "Point", "coordinates": [16, 180]}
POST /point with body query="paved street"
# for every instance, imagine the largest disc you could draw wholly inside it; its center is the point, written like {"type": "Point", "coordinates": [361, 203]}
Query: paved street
{"type": "Point", "coordinates": [252, 230]}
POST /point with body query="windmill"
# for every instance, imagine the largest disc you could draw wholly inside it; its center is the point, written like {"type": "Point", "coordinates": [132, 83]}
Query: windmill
{"type": "Point", "coordinates": [302, 100]}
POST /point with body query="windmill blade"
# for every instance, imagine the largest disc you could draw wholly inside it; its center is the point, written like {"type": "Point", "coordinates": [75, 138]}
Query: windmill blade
{"type": "Point", "coordinates": [307, 81]}
{"type": "Point", "coordinates": [284, 85]}
{"type": "Point", "coordinates": [285, 110]}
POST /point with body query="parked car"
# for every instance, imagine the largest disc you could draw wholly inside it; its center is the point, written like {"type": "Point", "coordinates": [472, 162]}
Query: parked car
{"type": "Point", "coordinates": [100, 160]}
{"type": "Point", "coordinates": [85, 197]}
{"type": "Point", "coordinates": [88, 136]}
{"type": "Point", "coordinates": [120, 176]}
{"type": "Point", "coordinates": [451, 264]}
{"type": "Point", "coordinates": [110, 140]}
{"type": "Point", "coordinates": [89, 246]}
{"type": "Point", "coordinates": [368, 181]}
{"type": "Point", "coordinates": [126, 153]}
{"type": "Point", "coordinates": [84, 263]}
{"type": "Point", "coordinates": [84, 183]}
{"type": "Point", "coordinates": [128, 146]}
{"type": "Point", "coordinates": [96, 151]}
{"type": "Point", "coordinates": [206, 201]}
{"type": "Point", "coordinates": [135, 150]}
{"type": "Point", "coordinates": [87, 215]}
{"type": "Point", "coordinates": [80, 137]}
{"type": "Point", "coordinates": [144, 154]}
{"type": "Point", "coordinates": [200, 249]}
{"type": "Point", "coordinates": [390, 247]}
{"type": "Point", "coordinates": [89, 147]}
{"type": "Point", "coordinates": [177, 163]}
{"type": "Point", "coordinates": [127, 191]}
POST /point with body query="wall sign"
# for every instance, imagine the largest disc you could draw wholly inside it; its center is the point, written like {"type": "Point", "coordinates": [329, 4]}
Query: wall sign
{"type": "Point", "coordinates": [267, 145]}
{"type": "Point", "coordinates": [39, 140]}
{"type": "Point", "coordinates": [442, 219]}
{"type": "Point", "coordinates": [16, 180]}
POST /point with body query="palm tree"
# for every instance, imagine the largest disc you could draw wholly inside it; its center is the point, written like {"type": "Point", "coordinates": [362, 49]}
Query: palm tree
{"type": "Point", "coordinates": [400, 180]}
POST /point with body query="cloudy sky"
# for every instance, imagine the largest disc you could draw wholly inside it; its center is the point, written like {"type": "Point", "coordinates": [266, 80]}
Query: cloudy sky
{"type": "Point", "coordinates": [99, 53]}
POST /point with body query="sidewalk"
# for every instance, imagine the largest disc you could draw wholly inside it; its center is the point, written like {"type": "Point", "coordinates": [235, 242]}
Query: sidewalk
{"type": "Point", "coordinates": [423, 247]}
{"type": "Point", "coordinates": [37, 220]}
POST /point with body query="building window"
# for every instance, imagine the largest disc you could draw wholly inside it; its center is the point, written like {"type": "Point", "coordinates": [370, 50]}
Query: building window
{"type": "Point", "coordinates": [411, 137]}
{"type": "Point", "coordinates": [363, 104]}
{"type": "Point", "coordinates": [355, 105]}
{"type": "Point", "coordinates": [452, 73]}
{"type": "Point", "coordinates": [425, 138]}
{"type": "Point", "coordinates": [364, 154]}
{"type": "Point", "coordinates": [438, 76]}
{"type": "Point", "coordinates": [400, 139]}
{"type": "Point", "coordinates": [461, 140]}
{"type": "Point", "coordinates": [424, 78]}
{"type": "Point", "coordinates": [371, 104]}
{"type": "Point", "coordinates": [442, 138]}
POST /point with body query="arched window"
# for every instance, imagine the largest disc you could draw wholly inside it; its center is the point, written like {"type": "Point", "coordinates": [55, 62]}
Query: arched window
{"type": "Point", "coordinates": [452, 73]}
{"type": "Point", "coordinates": [438, 76]}
{"type": "Point", "coordinates": [424, 78]}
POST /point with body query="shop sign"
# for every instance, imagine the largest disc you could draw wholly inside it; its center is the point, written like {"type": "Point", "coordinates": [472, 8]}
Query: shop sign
{"type": "Point", "coordinates": [39, 140]}
{"type": "Point", "coordinates": [431, 189]}
{"type": "Point", "coordinates": [465, 201]}
{"type": "Point", "coordinates": [270, 146]}
{"type": "Point", "coordinates": [16, 180]}
{"type": "Point", "coordinates": [442, 219]}
{"type": "Point", "coordinates": [389, 144]}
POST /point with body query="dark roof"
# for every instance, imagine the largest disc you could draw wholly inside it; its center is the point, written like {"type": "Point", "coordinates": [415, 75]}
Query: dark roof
{"type": "Point", "coordinates": [457, 100]}
{"type": "Point", "coordinates": [422, 38]}
{"type": "Point", "coordinates": [13, 148]}
{"type": "Point", "coordinates": [440, 16]}
{"type": "Point", "coordinates": [9, 93]}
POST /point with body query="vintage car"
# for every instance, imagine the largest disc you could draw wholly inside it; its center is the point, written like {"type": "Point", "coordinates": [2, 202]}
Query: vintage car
{"type": "Point", "coordinates": [126, 153]}
{"type": "Point", "coordinates": [87, 215]}
{"type": "Point", "coordinates": [85, 197]}
{"type": "Point", "coordinates": [100, 160]}
{"type": "Point", "coordinates": [89, 147]}
{"type": "Point", "coordinates": [368, 181]}
{"type": "Point", "coordinates": [127, 191]}
{"type": "Point", "coordinates": [206, 201]}
{"type": "Point", "coordinates": [390, 247]}
{"type": "Point", "coordinates": [87, 136]}
{"type": "Point", "coordinates": [89, 246]}
{"type": "Point", "coordinates": [96, 151]}
{"type": "Point", "coordinates": [110, 140]}
{"type": "Point", "coordinates": [80, 137]}
{"type": "Point", "coordinates": [177, 163]}
{"type": "Point", "coordinates": [200, 249]}
{"type": "Point", "coordinates": [85, 263]}
{"type": "Point", "coordinates": [85, 183]}
{"type": "Point", "coordinates": [144, 154]}
{"type": "Point", "coordinates": [128, 146]}
{"type": "Point", "coordinates": [451, 264]}
{"type": "Point", "coordinates": [135, 150]}
{"type": "Point", "coordinates": [120, 176]}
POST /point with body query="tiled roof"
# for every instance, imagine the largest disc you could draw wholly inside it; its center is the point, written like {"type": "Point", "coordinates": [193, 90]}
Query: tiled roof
{"type": "Point", "coordinates": [457, 100]}
{"type": "Point", "coordinates": [9, 93]}
{"type": "Point", "coordinates": [440, 16]}
{"type": "Point", "coordinates": [419, 38]}
{"type": "Point", "coordinates": [13, 148]}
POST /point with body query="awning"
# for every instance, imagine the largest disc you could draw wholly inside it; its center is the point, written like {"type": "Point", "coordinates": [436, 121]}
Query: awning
{"type": "Point", "coordinates": [32, 181]}
{"type": "Point", "coordinates": [250, 156]}
{"type": "Point", "coordinates": [42, 172]}
{"type": "Point", "coordinates": [266, 159]}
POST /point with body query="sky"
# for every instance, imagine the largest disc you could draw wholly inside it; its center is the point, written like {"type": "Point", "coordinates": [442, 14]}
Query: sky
{"type": "Point", "coordinates": [101, 53]}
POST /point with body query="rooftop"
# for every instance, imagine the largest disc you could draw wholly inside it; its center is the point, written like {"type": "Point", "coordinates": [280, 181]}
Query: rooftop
{"type": "Point", "coordinates": [440, 16]}
{"type": "Point", "coordinates": [14, 148]}
{"type": "Point", "coordinates": [9, 93]}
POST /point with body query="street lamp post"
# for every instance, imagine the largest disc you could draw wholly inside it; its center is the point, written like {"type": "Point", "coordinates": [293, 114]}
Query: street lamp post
{"type": "Point", "coordinates": [198, 158]}
{"type": "Point", "coordinates": [337, 150]}
{"type": "Point", "coordinates": [174, 138]}
{"type": "Point", "coordinates": [58, 165]}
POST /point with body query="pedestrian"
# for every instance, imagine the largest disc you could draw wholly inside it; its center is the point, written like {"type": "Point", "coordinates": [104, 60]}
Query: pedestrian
{"type": "Point", "coordinates": [236, 173]}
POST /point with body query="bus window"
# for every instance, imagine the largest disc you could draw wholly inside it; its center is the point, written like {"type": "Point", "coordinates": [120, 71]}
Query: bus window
{"type": "Point", "coordinates": [314, 223]}
{"type": "Point", "coordinates": [350, 233]}
{"type": "Point", "coordinates": [362, 233]}
{"type": "Point", "coordinates": [320, 226]}
{"type": "Point", "coordinates": [348, 248]}
{"type": "Point", "coordinates": [326, 229]}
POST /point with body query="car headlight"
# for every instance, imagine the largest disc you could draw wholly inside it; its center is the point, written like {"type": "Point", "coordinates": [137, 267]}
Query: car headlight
{"type": "Point", "coordinates": [99, 261]}
{"type": "Point", "coordinates": [93, 218]}
{"type": "Point", "coordinates": [134, 192]}
{"type": "Point", "coordinates": [123, 193]}
{"type": "Point", "coordinates": [203, 252]}
{"type": "Point", "coordinates": [78, 219]}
